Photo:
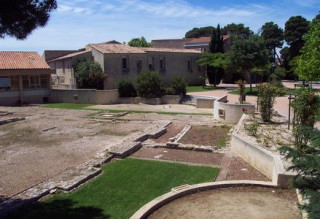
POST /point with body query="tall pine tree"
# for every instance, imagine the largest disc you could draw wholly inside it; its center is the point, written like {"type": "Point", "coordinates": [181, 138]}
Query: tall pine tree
{"type": "Point", "coordinates": [216, 46]}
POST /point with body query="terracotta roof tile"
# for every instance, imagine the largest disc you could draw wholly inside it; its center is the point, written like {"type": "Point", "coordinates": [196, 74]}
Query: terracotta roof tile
{"type": "Point", "coordinates": [205, 39]}
{"type": "Point", "coordinates": [115, 48]}
{"type": "Point", "coordinates": [150, 49]}
{"type": "Point", "coordinates": [22, 60]}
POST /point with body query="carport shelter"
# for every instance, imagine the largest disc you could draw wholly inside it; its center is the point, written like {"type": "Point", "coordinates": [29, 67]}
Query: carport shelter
{"type": "Point", "coordinates": [25, 78]}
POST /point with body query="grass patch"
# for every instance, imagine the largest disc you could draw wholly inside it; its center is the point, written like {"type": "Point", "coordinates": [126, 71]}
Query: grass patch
{"type": "Point", "coordinates": [246, 91]}
{"type": "Point", "coordinates": [124, 187]}
{"type": "Point", "coordinates": [78, 106]}
{"type": "Point", "coordinates": [202, 88]}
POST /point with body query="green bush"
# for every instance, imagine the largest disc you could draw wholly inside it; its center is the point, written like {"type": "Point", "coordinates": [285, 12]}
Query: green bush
{"type": "Point", "coordinates": [179, 86]}
{"type": "Point", "coordinates": [252, 128]}
{"type": "Point", "coordinates": [149, 85]}
{"type": "Point", "coordinates": [89, 75]}
{"type": "Point", "coordinates": [267, 94]}
{"type": "Point", "coordinates": [126, 88]}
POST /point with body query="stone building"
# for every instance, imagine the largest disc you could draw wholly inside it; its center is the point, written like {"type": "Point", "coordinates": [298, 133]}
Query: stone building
{"type": "Point", "coordinates": [122, 61]}
{"type": "Point", "coordinates": [24, 78]}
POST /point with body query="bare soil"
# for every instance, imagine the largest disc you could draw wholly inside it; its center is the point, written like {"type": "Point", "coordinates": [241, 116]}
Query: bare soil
{"type": "Point", "coordinates": [172, 131]}
{"type": "Point", "coordinates": [205, 135]}
{"type": "Point", "coordinates": [239, 202]}
{"type": "Point", "coordinates": [49, 141]}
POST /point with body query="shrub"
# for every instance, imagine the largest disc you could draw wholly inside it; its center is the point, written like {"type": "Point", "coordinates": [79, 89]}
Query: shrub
{"type": "Point", "coordinates": [252, 128]}
{"type": "Point", "coordinates": [306, 107]}
{"type": "Point", "coordinates": [89, 75]}
{"type": "Point", "coordinates": [267, 94]}
{"type": "Point", "coordinates": [179, 86]}
{"type": "Point", "coordinates": [149, 85]}
{"type": "Point", "coordinates": [126, 88]}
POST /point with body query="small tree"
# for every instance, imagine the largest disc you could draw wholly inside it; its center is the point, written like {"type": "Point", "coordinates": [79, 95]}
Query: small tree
{"type": "Point", "coordinates": [126, 88]}
{"type": "Point", "coordinates": [267, 94]}
{"type": "Point", "coordinates": [149, 85]}
{"type": "Point", "coordinates": [89, 75]}
{"type": "Point", "coordinates": [248, 54]}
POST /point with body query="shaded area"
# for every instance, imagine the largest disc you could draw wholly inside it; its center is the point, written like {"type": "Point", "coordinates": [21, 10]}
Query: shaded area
{"type": "Point", "coordinates": [55, 209]}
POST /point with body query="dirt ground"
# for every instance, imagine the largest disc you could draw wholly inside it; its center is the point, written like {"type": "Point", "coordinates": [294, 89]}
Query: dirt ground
{"type": "Point", "coordinates": [242, 202]}
{"type": "Point", "coordinates": [49, 141]}
{"type": "Point", "coordinates": [205, 135]}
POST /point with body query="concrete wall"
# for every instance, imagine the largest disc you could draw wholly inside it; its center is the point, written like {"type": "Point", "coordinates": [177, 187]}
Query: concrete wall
{"type": "Point", "coordinates": [231, 113]}
{"type": "Point", "coordinates": [84, 96]}
{"type": "Point", "coordinates": [11, 98]}
{"type": "Point", "coordinates": [205, 103]}
{"type": "Point", "coordinates": [261, 159]}
{"type": "Point", "coordinates": [167, 99]}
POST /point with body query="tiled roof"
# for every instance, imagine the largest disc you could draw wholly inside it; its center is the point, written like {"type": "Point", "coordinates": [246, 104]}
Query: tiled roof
{"type": "Point", "coordinates": [70, 55]}
{"type": "Point", "coordinates": [22, 60]}
{"type": "Point", "coordinates": [114, 48]}
{"type": "Point", "coordinates": [150, 49]}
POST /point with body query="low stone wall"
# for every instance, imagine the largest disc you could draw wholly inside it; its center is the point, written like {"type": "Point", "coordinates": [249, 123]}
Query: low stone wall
{"type": "Point", "coordinates": [11, 98]}
{"type": "Point", "coordinates": [167, 99]}
{"type": "Point", "coordinates": [230, 113]}
{"type": "Point", "coordinates": [261, 159]}
{"type": "Point", "coordinates": [205, 103]}
{"type": "Point", "coordinates": [84, 96]}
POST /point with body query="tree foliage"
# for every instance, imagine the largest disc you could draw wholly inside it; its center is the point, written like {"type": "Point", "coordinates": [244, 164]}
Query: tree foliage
{"type": "Point", "coordinates": [306, 162]}
{"type": "Point", "coordinates": [89, 75]}
{"type": "Point", "coordinates": [295, 28]}
{"type": "Point", "coordinates": [236, 30]}
{"type": "Point", "coordinates": [199, 32]}
{"type": "Point", "coordinates": [247, 54]}
{"type": "Point", "coordinates": [149, 85]}
{"type": "Point", "coordinates": [308, 64]}
{"type": "Point", "coordinates": [126, 88]}
{"type": "Point", "coordinates": [179, 86]}
{"type": "Point", "coordinates": [19, 18]}
{"type": "Point", "coordinates": [139, 42]}
{"type": "Point", "coordinates": [273, 37]}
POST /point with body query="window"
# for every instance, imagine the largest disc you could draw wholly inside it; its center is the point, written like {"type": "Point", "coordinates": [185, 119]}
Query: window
{"type": "Point", "coordinates": [139, 66]}
{"type": "Point", "coordinates": [35, 82]}
{"type": "Point", "coordinates": [151, 63]}
{"type": "Point", "coordinates": [44, 81]}
{"type": "Point", "coordinates": [190, 65]}
{"type": "Point", "coordinates": [125, 63]}
{"type": "Point", "coordinates": [162, 64]}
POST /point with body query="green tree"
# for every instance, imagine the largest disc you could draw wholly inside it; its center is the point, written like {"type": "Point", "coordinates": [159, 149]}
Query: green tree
{"type": "Point", "coordinates": [199, 32]}
{"type": "Point", "coordinates": [139, 42]}
{"type": "Point", "coordinates": [89, 75]}
{"type": "Point", "coordinates": [236, 30]}
{"type": "Point", "coordinates": [247, 54]}
{"type": "Point", "coordinates": [19, 18]}
{"type": "Point", "coordinates": [273, 37]}
{"type": "Point", "coordinates": [295, 28]}
{"type": "Point", "coordinates": [308, 63]}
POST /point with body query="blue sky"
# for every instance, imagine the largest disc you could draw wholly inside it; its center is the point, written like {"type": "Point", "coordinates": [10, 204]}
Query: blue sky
{"type": "Point", "coordinates": [78, 22]}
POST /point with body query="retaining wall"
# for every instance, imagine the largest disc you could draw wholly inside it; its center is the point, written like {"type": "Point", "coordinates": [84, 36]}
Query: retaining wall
{"type": "Point", "coordinates": [230, 113]}
{"type": "Point", "coordinates": [205, 103]}
{"type": "Point", "coordinates": [261, 159]}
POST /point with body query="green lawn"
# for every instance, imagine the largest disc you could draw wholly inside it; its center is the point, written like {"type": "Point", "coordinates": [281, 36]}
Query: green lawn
{"type": "Point", "coordinates": [201, 88]}
{"type": "Point", "coordinates": [124, 187]}
{"type": "Point", "coordinates": [246, 91]}
{"type": "Point", "coordinates": [78, 106]}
